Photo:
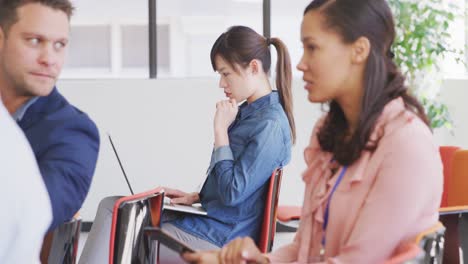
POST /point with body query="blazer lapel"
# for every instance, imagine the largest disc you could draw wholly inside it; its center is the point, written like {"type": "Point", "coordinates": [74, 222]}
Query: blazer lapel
{"type": "Point", "coordinates": [42, 107]}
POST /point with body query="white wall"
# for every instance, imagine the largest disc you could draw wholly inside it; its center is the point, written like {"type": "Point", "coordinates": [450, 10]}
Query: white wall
{"type": "Point", "coordinates": [163, 132]}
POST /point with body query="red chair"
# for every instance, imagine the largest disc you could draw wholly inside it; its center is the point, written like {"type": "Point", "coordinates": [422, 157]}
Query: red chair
{"type": "Point", "coordinates": [267, 233]}
{"type": "Point", "coordinates": [131, 214]}
{"type": "Point", "coordinates": [451, 254]}
{"type": "Point", "coordinates": [456, 202]}
{"type": "Point", "coordinates": [446, 155]}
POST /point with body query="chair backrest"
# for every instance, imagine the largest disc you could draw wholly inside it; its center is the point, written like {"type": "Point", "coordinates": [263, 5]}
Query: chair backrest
{"type": "Point", "coordinates": [446, 155]}
{"type": "Point", "coordinates": [458, 182]}
{"type": "Point", "coordinates": [61, 244]}
{"type": "Point", "coordinates": [268, 230]}
{"type": "Point", "coordinates": [427, 248]}
{"type": "Point", "coordinates": [131, 214]}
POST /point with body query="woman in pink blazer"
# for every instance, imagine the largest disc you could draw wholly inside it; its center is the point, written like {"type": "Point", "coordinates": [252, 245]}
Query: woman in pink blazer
{"type": "Point", "coordinates": [374, 175]}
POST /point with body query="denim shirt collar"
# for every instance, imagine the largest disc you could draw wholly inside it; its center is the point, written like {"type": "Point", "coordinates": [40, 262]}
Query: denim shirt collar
{"type": "Point", "coordinates": [19, 113]}
{"type": "Point", "coordinates": [246, 109]}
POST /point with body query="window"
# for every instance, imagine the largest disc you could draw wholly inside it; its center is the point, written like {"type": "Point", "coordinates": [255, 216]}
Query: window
{"type": "Point", "coordinates": [194, 27]}
{"type": "Point", "coordinates": [135, 52]}
{"type": "Point", "coordinates": [99, 40]}
{"type": "Point", "coordinates": [286, 18]}
{"type": "Point", "coordinates": [110, 37]}
{"type": "Point", "coordinates": [93, 54]}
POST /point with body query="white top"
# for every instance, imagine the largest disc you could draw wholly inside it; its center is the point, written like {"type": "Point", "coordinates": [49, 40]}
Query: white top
{"type": "Point", "coordinates": [26, 212]}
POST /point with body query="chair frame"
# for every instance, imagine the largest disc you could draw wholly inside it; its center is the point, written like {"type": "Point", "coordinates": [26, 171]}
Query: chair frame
{"type": "Point", "coordinates": [268, 230]}
{"type": "Point", "coordinates": [155, 200]}
{"type": "Point", "coordinates": [66, 250]}
{"type": "Point", "coordinates": [268, 226]}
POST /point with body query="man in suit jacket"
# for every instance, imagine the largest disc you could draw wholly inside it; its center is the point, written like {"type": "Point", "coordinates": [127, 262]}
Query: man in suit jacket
{"type": "Point", "coordinates": [33, 39]}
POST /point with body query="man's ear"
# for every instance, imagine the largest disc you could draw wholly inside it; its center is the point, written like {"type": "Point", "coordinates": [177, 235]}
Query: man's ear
{"type": "Point", "coordinates": [360, 50]}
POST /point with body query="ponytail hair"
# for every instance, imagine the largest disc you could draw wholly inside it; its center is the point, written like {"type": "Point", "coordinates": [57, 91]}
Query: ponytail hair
{"type": "Point", "coordinates": [284, 81]}
{"type": "Point", "coordinates": [239, 45]}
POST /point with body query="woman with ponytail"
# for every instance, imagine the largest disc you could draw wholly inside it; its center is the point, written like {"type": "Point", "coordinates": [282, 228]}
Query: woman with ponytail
{"type": "Point", "coordinates": [251, 141]}
{"type": "Point", "coordinates": [374, 175]}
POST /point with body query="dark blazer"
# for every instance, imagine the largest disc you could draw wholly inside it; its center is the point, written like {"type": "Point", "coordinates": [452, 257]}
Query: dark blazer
{"type": "Point", "coordinates": [66, 143]}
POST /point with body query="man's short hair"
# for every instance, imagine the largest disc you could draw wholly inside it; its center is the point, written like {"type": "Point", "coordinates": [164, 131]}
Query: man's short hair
{"type": "Point", "coordinates": [9, 14]}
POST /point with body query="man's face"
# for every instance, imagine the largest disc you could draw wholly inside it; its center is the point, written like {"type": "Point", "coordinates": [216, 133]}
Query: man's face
{"type": "Point", "coordinates": [32, 52]}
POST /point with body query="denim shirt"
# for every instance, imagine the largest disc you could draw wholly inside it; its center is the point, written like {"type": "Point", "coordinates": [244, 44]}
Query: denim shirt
{"type": "Point", "coordinates": [234, 192]}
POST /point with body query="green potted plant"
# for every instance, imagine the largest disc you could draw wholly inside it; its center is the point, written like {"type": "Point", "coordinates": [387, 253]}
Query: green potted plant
{"type": "Point", "coordinates": [421, 43]}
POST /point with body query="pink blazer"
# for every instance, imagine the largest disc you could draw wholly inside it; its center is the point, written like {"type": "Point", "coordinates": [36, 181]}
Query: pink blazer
{"type": "Point", "coordinates": [385, 199]}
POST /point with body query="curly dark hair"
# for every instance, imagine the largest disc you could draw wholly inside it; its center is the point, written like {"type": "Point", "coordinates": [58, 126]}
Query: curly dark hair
{"type": "Point", "coordinates": [372, 19]}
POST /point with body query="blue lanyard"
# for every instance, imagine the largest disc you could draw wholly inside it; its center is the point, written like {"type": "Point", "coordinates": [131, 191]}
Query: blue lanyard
{"type": "Point", "coordinates": [325, 218]}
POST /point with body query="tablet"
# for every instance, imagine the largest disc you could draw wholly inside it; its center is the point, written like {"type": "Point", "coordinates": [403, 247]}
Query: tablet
{"type": "Point", "coordinates": [168, 240]}
{"type": "Point", "coordinates": [190, 209]}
